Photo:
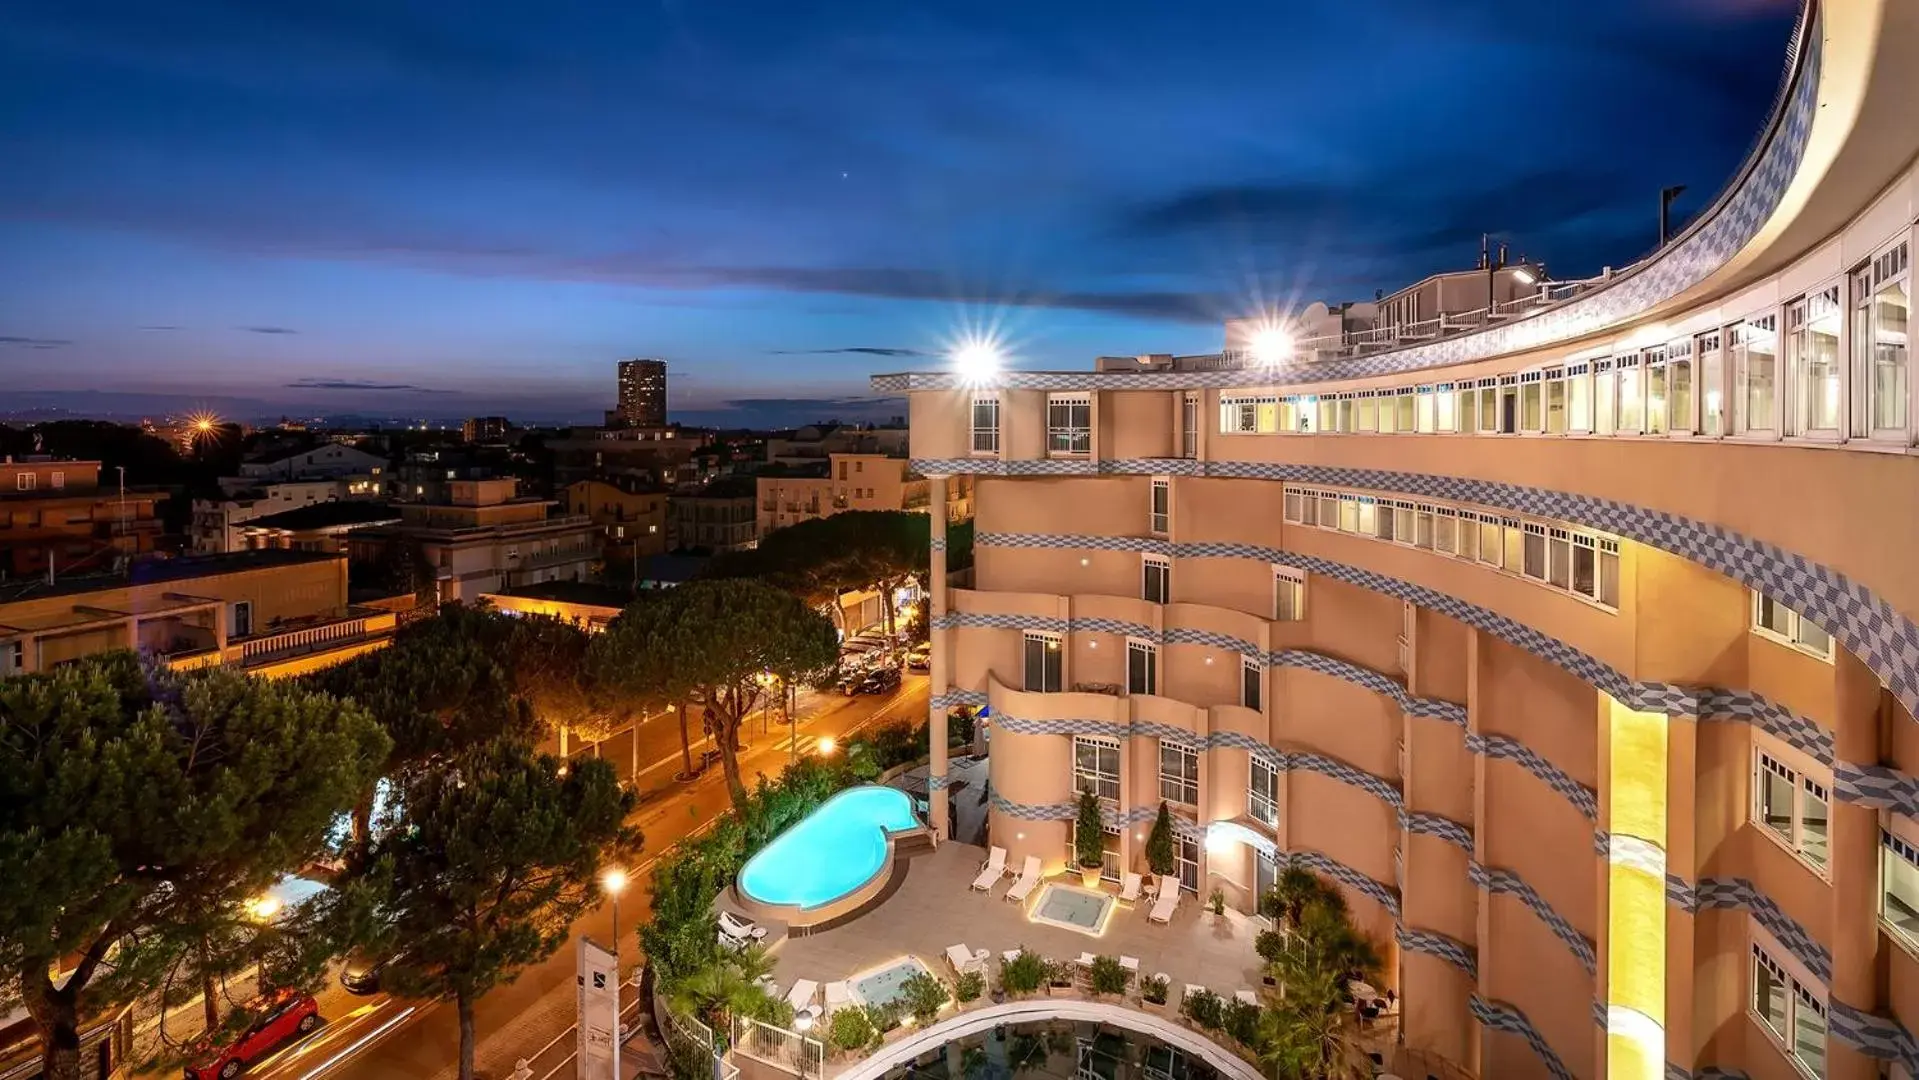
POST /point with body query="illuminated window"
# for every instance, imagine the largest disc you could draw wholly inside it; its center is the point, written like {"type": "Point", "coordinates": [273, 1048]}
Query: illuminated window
{"type": "Point", "coordinates": [1142, 668]}
{"type": "Point", "coordinates": [1790, 1010]}
{"type": "Point", "coordinates": [1178, 772]}
{"type": "Point", "coordinates": [1774, 620]}
{"type": "Point", "coordinates": [1898, 887]}
{"type": "Point", "coordinates": [1069, 424]}
{"type": "Point", "coordinates": [1812, 363]}
{"type": "Point", "coordinates": [1755, 360]}
{"type": "Point", "coordinates": [1262, 791]}
{"type": "Point", "coordinates": [1096, 766]}
{"type": "Point", "coordinates": [1156, 579]}
{"type": "Point", "coordinates": [1189, 425]}
{"type": "Point", "coordinates": [1881, 349]}
{"type": "Point", "coordinates": [1161, 499]}
{"type": "Point", "coordinates": [1289, 594]}
{"type": "Point", "coordinates": [985, 425]}
{"type": "Point", "coordinates": [1043, 663]}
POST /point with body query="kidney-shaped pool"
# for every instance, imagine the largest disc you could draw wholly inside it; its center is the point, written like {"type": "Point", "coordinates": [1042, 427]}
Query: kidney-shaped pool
{"type": "Point", "coordinates": [830, 855]}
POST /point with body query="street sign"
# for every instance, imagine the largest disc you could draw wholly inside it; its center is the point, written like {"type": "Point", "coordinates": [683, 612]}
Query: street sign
{"type": "Point", "coordinates": [599, 1013]}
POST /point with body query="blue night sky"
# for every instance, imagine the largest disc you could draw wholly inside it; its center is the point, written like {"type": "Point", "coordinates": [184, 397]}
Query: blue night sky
{"type": "Point", "coordinates": [441, 208]}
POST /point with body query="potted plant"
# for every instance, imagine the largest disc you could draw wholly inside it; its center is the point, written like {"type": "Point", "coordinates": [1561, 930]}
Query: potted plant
{"type": "Point", "coordinates": [1161, 858]}
{"type": "Point", "coordinates": [1023, 974]}
{"type": "Point", "coordinates": [969, 987]}
{"type": "Point", "coordinates": [850, 1029]}
{"type": "Point", "coordinates": [1216, 900]}
{"type": "Point", "coordinates": [1089, 839]}
{"type": "Point", "coordinates": [1060, 975]}
{"type": "Point", "coordinates": [1152, 990]}
{"type": "Point", "coordinates": [1271, 945]}
{"type": "Point", "coordinates": [924, 996]}
{"type": "Point", "coordinates": [1241, 1021]}
{"type": "Point", "coordinates": [1204, 1008]}
{"type": "Point", "coordinates": [1108, 977]}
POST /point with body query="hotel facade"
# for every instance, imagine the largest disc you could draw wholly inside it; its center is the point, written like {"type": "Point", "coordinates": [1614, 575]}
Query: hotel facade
{"type": "Point", "coordinates": [1575, 638]}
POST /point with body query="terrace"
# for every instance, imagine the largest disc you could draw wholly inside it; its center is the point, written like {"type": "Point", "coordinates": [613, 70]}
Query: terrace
{"type": "Point", "coordinates": [930, 906]}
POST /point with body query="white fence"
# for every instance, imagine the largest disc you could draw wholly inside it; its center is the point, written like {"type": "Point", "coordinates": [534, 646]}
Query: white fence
{"type": "Point", "coordinates": [798, 1054]}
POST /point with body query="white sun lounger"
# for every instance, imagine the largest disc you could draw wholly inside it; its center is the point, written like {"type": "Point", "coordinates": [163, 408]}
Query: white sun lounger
{"type": "Point", "coordinates": [1028, 880]}
{"type": "Point", "coordinates": [739, 929]}
{"type": "Point", "coordinates": [838, 996]}
{"type": "Point", "coordinates": [1246, 996]}
{"type": "Point", "coordinates": [1163, 907]}
{"type": "Point", "coordinates": [964, 959]}
{"type": "Point", "coordinates": [802, 994]}
{"type": "Point", "coordinates": [1129, 886]}
{"type": "Point", "coordinates": [991, 870]}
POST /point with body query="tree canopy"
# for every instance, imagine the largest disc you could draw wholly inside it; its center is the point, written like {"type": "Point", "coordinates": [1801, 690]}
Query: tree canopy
{"type": "Point", "coordinates": [823, 557]}
{"type": "Point", "coordinates": [134, 801]}
{"type": "Point", "coordinates": [498, 851]}
{"type": "Point", "coordinates": [713, 641]}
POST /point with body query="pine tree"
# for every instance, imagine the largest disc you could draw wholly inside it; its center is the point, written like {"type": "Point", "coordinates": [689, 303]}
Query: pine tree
{"type": "Point", "coordinates": [1159, 844]}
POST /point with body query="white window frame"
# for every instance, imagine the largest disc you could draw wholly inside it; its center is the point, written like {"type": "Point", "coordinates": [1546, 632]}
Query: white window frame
{"type": "Point", "coordinates": [985, 441]}
{"type": "Point", "coordinates": [24, 481]}
{"type": "Point", "coordinates": [1159, 505]}
{"type": "Point", "coordinates": [1258, 800]}
{"type": "Point", "coordinates": [1801, 315]}
{"type": "Point", "coordinates": [13, 657]}
{"type": "Point", "coordinates": [1806, 785]}
{"type": "Point", "coordinates": [1760, 329]}
{"type": "Point", "coordinates": [1905, 851]}
{"type": "Point", "coordinates": [1139, 647]}
{"type": "Point", "coordinates": [1068, 439]}
{"type": "Point", "coordinates": [1098, 778]}
{"type": "Point", "coordinates": [1158, 567]}
{"type": "Point", "coordinates": [1175, 787]}
{"type": "Point", "coordinates": [1289, 594]}
{"type": "Point", "coordinates": [1800, 633]}
{"type": "Point", "coordinates": [1890, 266]}
{"type": "Point", "coordinates": [1189, 425]}
{"type": "Point", "coordinates": [1803, 993]}
{"type": "Point", "coordinates": [1052, 644]}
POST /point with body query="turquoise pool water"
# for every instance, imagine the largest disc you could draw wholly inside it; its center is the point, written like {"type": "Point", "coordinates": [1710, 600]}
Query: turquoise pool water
{"type": "Point", "coordinates": [1075, 908]}
{"type": "Point", "coordinates": [882, 987]}
{"type": "Point", "coordinates": [831, 852]}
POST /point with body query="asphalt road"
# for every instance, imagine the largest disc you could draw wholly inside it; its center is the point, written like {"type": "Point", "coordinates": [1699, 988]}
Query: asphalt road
{"type": "Point", "coordinates": [383, 1038]}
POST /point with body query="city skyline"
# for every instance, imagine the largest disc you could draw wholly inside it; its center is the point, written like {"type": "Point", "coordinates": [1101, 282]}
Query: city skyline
{"type": "Point", "coordinates": [397, 212]}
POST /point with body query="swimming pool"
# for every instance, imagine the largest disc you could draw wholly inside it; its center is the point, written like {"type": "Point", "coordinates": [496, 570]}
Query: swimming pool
{"type": "Point", "coordinates": [881, 985]}
{"type": "Point", "coordinates": [830, 855]}
{"type": "Point", "coordinates": [1073, 908]}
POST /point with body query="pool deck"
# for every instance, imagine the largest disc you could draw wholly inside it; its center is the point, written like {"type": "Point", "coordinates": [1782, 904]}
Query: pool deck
{"type": "Point", "coordinates": [935, 907]}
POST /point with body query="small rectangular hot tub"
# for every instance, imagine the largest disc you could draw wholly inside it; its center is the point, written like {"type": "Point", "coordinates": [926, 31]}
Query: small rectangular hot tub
{"type": "Point", "coordinates": [1071, 907]}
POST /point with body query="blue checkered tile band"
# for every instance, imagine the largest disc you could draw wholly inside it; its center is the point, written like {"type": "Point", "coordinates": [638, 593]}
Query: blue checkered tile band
{"type": "Point", "coordinates": [1495, 880]}
{"type": "Point", "coordinates": [1679, 891]}
{"type": "Point", "coordinates": [936, 783]}
{"type": "Point", "coordinates": [1876, 786]}
{"type": "Point", "coordinates": [1386, 895]}
{"type": "Point", "coordinates": [1875, 1036]}
{"type": "Point", "coordinates": [1734, 221]}
{"type": "Point", "coordinates": [1499, 1016]}
{"type": "Point", "coordinates": [1433, 943]}
{"type": "Point", "coordinates": [1602, 843]}
{"type": "Point", "coordinates": [1372, 680]}
{"type": "Point", "coordinates": [1599, 1014]}
{"type": "Point", "coordinates": [1433, 825]}
{"type": "Point", "coordinates": [955, 696]}
{"type": "Point", "coordinates": [1642, 855]}
{"type": "Point", "coordinates": [1777, 720]}
{"type": "Point", "coordinates": [1741, 894]}
{"type": "Point", "coordinates": [939, 543]}
{"type": "Point", "coordinates": [1503, 748]}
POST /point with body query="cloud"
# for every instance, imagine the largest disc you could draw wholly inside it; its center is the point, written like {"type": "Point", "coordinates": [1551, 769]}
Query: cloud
{"type": "Point", "coordinates": [33, 342]}
{"type": "Point", "coordinates": [267, 329]}
{"type": "Point", "coordinates": [860, 350]}
{"type": "Point", "coordinates": [156, 328]}
{"type": "Point", "coordinates": [357, 384]}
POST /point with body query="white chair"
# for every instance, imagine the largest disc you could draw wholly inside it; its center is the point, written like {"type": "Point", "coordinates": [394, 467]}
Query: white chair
{"type": "Point", "coordinates": [838, 996]}
{"type": "Point", "coordinates": [991, 870]}
{"type": "Point", "coordinates": [801, 996]}
{"type": "Point", "coordinates": [1246, 996]}
{"type": "Point", "coordinates": [740, 930]}
{"type": "Point", "coordinates": [1009, 956]}
{"type": "Point", "coordinates": [1164, 906]}
{"type": "Point", "coordinates": [1085, 960]}
{"type": "Point", "coordinates": [1129, 886]}
{"type": "Point", "coordinates": [1131, 964]}
{"type": "Point", "coordinates": [1027, 881]}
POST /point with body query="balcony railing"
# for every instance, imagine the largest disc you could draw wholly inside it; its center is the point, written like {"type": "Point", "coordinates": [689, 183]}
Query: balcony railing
{"type": "Point", "coordinates": [273, 647]}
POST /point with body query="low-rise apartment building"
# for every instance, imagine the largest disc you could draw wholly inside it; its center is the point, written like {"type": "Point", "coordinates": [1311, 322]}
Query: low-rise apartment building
{"type": "Point", "coordinates": [273, 613]}
{"type": "Point", "coordinates": [848, 482]}
{"type": "Point", "coordinates": [632, 521]}
{"type": "Point", "coordinates": [718, 517]}
{"type": "Point", "coordinates": [55, 516]}
{"type": "Point", "coordinates": [228, 523]}
{"type": "Point", "coordinates": [486, 538]}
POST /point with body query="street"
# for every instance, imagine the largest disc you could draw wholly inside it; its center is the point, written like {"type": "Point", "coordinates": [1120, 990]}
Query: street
{"type": "Point", "coordinates": [383, 1038]}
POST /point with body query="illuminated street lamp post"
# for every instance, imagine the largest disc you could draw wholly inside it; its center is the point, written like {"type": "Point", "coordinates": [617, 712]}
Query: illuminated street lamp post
{"type": "Point", "coordinates": [613, 880]}
{"type": "Point", "coordinates": [262, 910]}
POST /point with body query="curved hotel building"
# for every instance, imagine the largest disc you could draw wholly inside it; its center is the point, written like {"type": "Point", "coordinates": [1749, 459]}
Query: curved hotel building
{"type": "Point", "coordinates": [1575, 637]}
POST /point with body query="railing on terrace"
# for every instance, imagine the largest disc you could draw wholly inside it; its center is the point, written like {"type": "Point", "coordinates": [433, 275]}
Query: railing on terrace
{"type": "Point", "coordinates": [266, 648]}
{"type": "Point", "coordinates": [1358, 342]}
{"type": "Point", "coordinates": [801, 1055]}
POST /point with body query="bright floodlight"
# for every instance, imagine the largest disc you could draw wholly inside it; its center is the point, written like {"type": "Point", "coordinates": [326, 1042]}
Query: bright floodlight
{"type": "Point", "coordinates": [1523, 276]}
{"type": "Point", "coordinates": [977, 361]}
{"type": "Point", "coordinates": [613, 880]}
{"type": "Point", "coordinates": [264, 907]}
{"type": "Point", "coordinates": [826, 746]}
{"type": "Point", "coordinates": [1272, 345]}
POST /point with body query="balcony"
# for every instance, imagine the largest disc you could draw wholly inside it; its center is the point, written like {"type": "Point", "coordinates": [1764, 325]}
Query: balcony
{"type": "Point", "coordinates": [360, 626]}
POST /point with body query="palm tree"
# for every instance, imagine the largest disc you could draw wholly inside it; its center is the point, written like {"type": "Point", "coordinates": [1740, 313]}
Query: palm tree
{"type": "Point", "coordinates": [1290, 894]}
{"type": "Point", "coordinates": [729, 984]}
{"type": "Point", "coordinates": [1305, 1040]}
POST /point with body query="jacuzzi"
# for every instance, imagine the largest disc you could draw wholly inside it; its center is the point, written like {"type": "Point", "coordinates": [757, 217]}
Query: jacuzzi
{"type": "Point", "coordinates": [833, 861]}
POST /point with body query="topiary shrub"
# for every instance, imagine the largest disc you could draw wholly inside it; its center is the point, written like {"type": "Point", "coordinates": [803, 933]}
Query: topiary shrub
{"type": "Point", "coordinates": [1160, 855]}
{"type": "Point", "coordinates": [1271, 945]}
{"type": "Point", "coordinates": [884, 1017]}
{"type": "Point", "coordinates": [969, 986]}
{"type": "Point", "coordinates": [1023, 974]}
{"type": "Point", "coordinates": [924, 996]}
{"type": "Point", "coordinates": [850, 1029]}
{"type": "Point", "coordinates": [1108, 977]}
{"type": "Point", "coordinates": [1089, 833]}
{"type": "Point", "coordinates": [1153, 989]}
{"type": "Point", "coordinates": [1204, 1008]}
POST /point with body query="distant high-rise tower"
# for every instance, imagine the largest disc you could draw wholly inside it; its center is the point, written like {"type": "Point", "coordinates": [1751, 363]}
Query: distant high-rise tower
{"type": "Point", "coordinates": [642, 393]}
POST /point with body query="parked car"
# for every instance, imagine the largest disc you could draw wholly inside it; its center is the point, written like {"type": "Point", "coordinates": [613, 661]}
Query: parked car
{"type": "Point", "coordinates": [361, 972]}
{"type": "Point", "coordinates": [283, 1015]}
{"type": "Point", "coordinates": [920, 659]}
{"type": "Point", "coordinates": [880, 680]}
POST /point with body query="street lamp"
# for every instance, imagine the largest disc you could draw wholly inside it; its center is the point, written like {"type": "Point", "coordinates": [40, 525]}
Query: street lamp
{"type": "Point", "coordinates": [613, 880]}
{"type": "Point", "coordinates": [262, 909]}
{"type": "Point", "coordinates": [826, 745]}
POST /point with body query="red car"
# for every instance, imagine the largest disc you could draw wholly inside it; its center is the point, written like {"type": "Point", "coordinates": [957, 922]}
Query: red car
{"type": "Point", "coordinates": [281, 1016]}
